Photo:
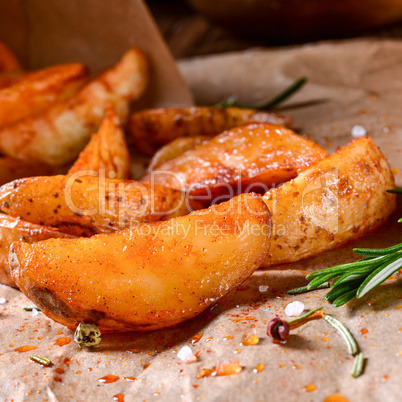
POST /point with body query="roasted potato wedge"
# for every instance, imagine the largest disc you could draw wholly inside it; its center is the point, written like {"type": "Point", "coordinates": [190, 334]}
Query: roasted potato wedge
{"type": "Point", "coordinates": [8, 78]}
{"type": "Point", "coordinates": [13, 229]}
{"type": "Point", "coordinates": [153, 128]}
{"type": "Point", "coordinates": [106, 150]}
{"type": "Point", "coordinates": [83, 205]}
{"type": "Point", "coordinates": [11, 169]}
{"type": "Point", "coordinates": [149, 276]}
{"type": "Point", "coordinates": [8, 61]}
{"type": "Point", "coordinates": [37, 91]}
{"type": "Point", "coordinates": [174, 149]}
{"type": "Point", "coordinates": [247, 158]}
{"type": "Point", "coordinates": [339, 199]}
{"type": "Point", "coordinates": [57, 135]}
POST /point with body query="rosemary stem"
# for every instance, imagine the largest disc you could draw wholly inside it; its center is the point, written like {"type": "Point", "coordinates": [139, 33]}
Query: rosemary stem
{"type": "Point", "coordinates": [358, 365]}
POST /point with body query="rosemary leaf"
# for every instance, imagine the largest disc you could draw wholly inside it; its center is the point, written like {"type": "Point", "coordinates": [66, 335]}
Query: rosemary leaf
{"type": "Point", "coordinates": [29, 307]}
{"type": "Point", "coordinates": [343, 299]}
{"type": "Point", "coordinates": [304, 316]}
{"type": "Point", "coordinates": [359, 273]}
{"type": "Point", "coordinates": [276, 100]}
{"type": "Point", "coordinates": [41, 360]}
{"type": "Point", "coordinates": [395, 191]}
{"type": "Point", "coordinates": [320, 280]}
{"type": "Point", "coordinates": [382, 273]}
{"type": "Point", "coordinates": [339, 290]}
{"type": "Point", "coordinates": [370, 252]}
{"type": "Point", "coordinates": [350, 341]}
{"type": "Point", "coordinates": [305, 289]}
{"type": "Point", "coordinates": [358, 365]}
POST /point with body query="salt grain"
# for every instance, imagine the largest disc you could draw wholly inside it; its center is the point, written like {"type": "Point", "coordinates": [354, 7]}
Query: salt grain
{"type": "Point", "coordinates": [358, 131]}
{"type": "Point", "coordinates": [263, 288]}
{"type": "Point", "coordinates": [186, 355]}
{"type": "Point", "coordinates": [35, 312]}
{"type": "Point", "coordinates": [3, 300]}
{"type": "Point", "coordinates": [294, 309]}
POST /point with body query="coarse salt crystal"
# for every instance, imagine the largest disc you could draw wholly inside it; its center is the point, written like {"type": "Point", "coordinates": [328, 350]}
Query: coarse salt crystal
{"type": "Point", "coordinates": [358, 131]}
{"type": "Point", "coordinates": [186, 355]}
{"type": "Point", "coordinates": [3, 300]}
{"type": "Point", "coordinates": [294, 309]}
{"type": "Point", "coordinates": [263, 288]}
{"type": "Point", "coordinates": [35, 312]}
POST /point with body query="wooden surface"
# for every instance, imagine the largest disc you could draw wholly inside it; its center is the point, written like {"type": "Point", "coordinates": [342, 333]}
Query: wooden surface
{"type": "Point", "coordinates": [188, 33]}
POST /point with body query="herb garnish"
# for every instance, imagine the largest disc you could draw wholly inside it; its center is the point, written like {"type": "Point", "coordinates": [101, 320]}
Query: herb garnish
{"type": "Point", "coordinates": [276, 100]}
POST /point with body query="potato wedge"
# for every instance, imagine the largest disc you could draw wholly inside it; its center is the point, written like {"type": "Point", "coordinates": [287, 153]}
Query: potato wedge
{"type": "Point", "coordinates": [11, 169]}
{"type": "Point", "coordinates": [37, 91]}
{"type": "Point", "coordinates": [174, 149]}
{"type": "Point", "coordinates": [106, 150]}
{"type": "Point", "coordinates": [151, 129]}
{"type": "Point", "coordinates": [248, 158]}
{"type": "Point", "coordinates": [339, 199]}
{"type": "Point", "coordinates": [8, 61]}
{"type": "Point", "coordinates": [8, 78]}
{"type": "Point", "coordinates": [149, 276]}
{"type": "Point", "coordinates": [13, 229]}
{"type": "Point", "coordinates": [83, 205]}
{"type": "Point", "coordinates": [57, 135]}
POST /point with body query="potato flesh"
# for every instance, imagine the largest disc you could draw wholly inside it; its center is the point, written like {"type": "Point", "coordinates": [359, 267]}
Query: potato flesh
{"type": "Point", "coordinates": [331, 203]}
{"type": "Point", "coordinates": [106, 150]}
{"type": "Point", "coordinates": [256, 154]}
{"type": "Point", "coordinates": [57, 135]}
{"type": "Point", "coordinates": [153, 128]}
{"type": "Point", "coordinates": [83, 205]}
{"type": "Point", "coordinates": [13, 229]}
{"type": "Point", "coordinates": [147, 277]}
{"type": "Point", "coordinates": [37, 91]}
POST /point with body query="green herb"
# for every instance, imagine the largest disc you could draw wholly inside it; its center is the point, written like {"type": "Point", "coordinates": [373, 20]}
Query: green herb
{"type": "Point", "coordinates": [350, 341]}
{"type": "Point", "coordinates": [395, 191]}
{"type": "Point", "coordinates": [304, 316]}
{"type": "Point", "coordinates": [358, 278]}
{"type": "Point", "coordinates": [276, 100]}
{"type": "Point", "coordinates": [29, 307]}
{"type": "Point", "coordinates": [358, 365]}
{"type": "Point", "coordinates": [87, 335]}
{"type": "Point", "coordinates": [41, 360]}
{"type": "Point", "coordinates": [305, 289]}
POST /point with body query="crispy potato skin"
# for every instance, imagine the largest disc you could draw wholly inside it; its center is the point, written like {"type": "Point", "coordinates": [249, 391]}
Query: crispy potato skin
{"type": "Point", "coordinates": [35, 92]}
{"type": "Point", "coordinates": [255, 154]}
{"type": "Point", "coordinates": [57, 135]}
{"type": "Point", "coordinates": [339, 199]}
{"type": "Point", "coordinates": [83, 205]}
{"type": "Point", "coordinates": [147, 277]}
{"type": "Point", "coordinates": [13, 229]}
{"type": "Point", "coordinates": [154, 128]}
{"type": "Point", "coordinates": [11, 169]}
{"type": "Point", "coordinates": [106, 150]}
{"type": "Point", "coordinates": [174, 149]}
{"type": "Point", "coordinates": [8, 78]}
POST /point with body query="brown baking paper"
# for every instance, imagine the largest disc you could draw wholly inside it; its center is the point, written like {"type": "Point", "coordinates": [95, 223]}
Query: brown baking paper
{"type": "Point", "coordinates": [349, 83]}
{"type": "Point", "coordinates": [93, 32]}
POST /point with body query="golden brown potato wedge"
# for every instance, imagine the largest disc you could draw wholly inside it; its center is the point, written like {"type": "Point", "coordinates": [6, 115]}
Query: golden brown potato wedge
{"type": "Point", "coordinates": [331, 203]}
{"type": "Point", "coordinates": [13, 229]}
{"type": "Point", "coordinates": [8, 61]}
{"type": "Point", "coordinates": [37, 91]}
{"type": "Point", "coordinates": [8, 78]}
{"type": "Point", "coordinates": [11, 169]}
{"type": "Point", "coordinates": [154, 128]}
{"type": "Point", "coordinates": [83, 205]}
{"type": "Point", "coordinates": [248, 158]}
{"type": "Point", "coordinates": [149, 276]}
{"type": "Point", "coordinates": [57, 135]}
{"type": "Point", "coordinates": [174, 149]}
{"type": "Point", "coordinates": [106, 150]}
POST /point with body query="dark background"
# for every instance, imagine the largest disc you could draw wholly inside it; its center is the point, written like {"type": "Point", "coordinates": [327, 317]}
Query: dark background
{"type": "Point", "coordinates": [188, 33]}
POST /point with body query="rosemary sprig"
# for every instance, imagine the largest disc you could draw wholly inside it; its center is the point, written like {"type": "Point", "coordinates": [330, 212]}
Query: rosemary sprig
{"type": "Point", "coordinates": [276, 100]}
{"type": "Point", "coordinates": [29, 307]}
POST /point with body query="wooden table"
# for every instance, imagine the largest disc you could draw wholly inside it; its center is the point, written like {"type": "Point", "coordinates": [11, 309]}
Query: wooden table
{"type": "Point", "coordinates": [188, 33]}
